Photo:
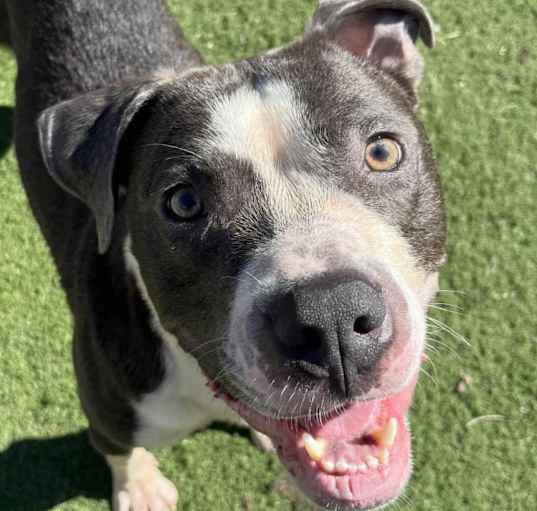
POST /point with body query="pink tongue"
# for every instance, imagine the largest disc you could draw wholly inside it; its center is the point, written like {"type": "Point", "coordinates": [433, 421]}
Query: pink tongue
{"type": "Point", "coordinates": [353, 422]}
{"type": "Point", "coordinates": [362, 417]}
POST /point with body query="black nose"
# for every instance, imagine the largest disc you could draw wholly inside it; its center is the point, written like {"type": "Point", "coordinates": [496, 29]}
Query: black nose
{"type": "Point", "coordinates": [331, 327]}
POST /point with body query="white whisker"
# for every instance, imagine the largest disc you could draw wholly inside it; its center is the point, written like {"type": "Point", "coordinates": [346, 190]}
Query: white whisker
{"type": "Point", "coordinates": [449, 330]}
{"type": "Point", "coordinates": [444, 309]}
{"type": "Point", "coordinates": [423, 370]}
{"type": "Point", "coordinates": [448, 305]}
{"type": "Point", "coordinates": [433, 341]}
{"type": "Point", "coordinates": [203, 344]}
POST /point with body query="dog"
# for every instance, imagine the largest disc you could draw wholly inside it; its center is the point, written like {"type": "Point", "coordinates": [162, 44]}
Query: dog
{"type": "Point", "coordinates": [251, 242]}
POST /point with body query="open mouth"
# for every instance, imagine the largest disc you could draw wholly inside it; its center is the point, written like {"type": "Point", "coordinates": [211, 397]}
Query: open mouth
{"type": "Point", "coordinates": [357, 458]}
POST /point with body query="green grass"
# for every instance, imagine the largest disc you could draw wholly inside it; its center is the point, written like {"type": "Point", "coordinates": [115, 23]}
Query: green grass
{"type": "Point", "coordinates": [479, 102]}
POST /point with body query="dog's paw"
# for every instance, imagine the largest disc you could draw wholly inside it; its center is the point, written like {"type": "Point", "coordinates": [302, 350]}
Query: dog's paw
{"type": "Point", "coordinates": [139, 484]}
{"type": "Point", "coordinates": [262, 441]}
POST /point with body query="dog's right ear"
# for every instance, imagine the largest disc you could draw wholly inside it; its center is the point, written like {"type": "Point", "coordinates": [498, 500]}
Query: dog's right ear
{"type": "Point", "coordinates": [383, 32]}
{"type": "Point", "coordinates": [79, 141]}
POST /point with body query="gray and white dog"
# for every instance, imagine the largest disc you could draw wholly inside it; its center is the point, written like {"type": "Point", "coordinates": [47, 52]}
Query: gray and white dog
{"type": "Point", "coordinates": [254, 241]}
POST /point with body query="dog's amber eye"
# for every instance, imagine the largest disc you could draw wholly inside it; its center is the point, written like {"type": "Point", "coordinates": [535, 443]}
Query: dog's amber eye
{"type": "Point", "coordinates": [383, 154]}
{"type": "Point", "coordinates": [184, 203]}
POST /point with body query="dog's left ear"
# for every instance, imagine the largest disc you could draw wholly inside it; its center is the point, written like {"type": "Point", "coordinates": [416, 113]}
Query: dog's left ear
{"type": "Point", "coordinates": [382, 31]}
{"type": "Point", "coordinates": [80, 140]}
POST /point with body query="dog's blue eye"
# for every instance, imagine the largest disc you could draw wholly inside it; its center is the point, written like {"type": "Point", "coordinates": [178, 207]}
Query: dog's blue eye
{"type": "Point", "coordinates": [184, 203]}
{"type": "Point", "coordinates": [383, 154]}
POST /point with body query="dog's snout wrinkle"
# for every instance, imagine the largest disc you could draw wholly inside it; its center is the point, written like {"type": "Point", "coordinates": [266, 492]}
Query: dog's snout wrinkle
{"type": "Point", "coordinates": [331, 328]}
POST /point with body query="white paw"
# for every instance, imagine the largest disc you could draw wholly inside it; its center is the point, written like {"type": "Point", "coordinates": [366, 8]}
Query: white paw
{"type": "Point", "coordinates": [262, 441]}
{"type": "Point", "coordinates": [139, 484]}
{"type": "Point", "coordinates": [157, 495]}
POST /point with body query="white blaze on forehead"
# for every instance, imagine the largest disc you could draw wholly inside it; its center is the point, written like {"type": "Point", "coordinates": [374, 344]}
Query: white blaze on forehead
{"type": "Point", "coordinates": [263, 126]}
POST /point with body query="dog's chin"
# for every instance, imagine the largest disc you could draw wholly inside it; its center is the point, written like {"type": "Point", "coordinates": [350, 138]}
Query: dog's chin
{"type": "Point", "coordinates": [370, 439]}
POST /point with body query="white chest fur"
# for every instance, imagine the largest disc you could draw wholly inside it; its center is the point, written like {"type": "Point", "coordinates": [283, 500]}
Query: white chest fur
{"type": "Point", "coordinates": [181, 405]}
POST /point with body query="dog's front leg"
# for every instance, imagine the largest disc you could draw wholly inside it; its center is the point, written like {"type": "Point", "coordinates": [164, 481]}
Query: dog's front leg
{"type": "Point", "coordinates": [138, 484]}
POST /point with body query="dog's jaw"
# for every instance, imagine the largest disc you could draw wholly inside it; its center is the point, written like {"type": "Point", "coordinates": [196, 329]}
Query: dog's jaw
{"type": "Point", "coordinates": [358, 458]}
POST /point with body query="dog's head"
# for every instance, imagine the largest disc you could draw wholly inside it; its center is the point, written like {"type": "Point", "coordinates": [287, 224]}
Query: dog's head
{"type": "Point", "coordinates": [287, 219]}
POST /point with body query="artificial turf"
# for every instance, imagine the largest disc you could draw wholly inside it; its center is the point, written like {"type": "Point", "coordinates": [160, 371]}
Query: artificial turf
{"type": "Point", "coordinates": [479, 103]}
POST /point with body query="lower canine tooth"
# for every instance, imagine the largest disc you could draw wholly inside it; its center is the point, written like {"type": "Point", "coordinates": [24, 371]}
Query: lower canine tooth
{"type": "Point", "coordinates": [385, 437]}
{"type": "Point", "coordinates": [384, 456]}
{"type": "Point", "coordinates": [316, 448]}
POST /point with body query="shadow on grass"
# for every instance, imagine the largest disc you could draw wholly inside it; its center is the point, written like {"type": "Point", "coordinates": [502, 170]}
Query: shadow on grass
{"type": "Point", "coordinates": [232, 429]}
{"type": "Point", "coordinates": [39, 474]}
{"type": "Point", "coordinates": [6, 128]}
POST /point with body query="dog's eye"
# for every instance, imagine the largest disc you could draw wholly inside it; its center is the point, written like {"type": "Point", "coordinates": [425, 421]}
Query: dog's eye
{"type": "Point", "coordinates": [383, 154]}
{"type": "Point", "coordinates": [184, 203]}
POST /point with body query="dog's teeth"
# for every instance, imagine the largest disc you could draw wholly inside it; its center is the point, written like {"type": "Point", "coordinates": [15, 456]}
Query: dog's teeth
{"type": "Point", "coordinates": [385, 437]}
{"type": "Point", "coordinates": [342, 467]}
{"type": "Point", "coordinates": [328, 466]}
{"type": "Point", "coordinates": [315, 447]}
{"type": "Point", "coordinates": [372, 462]}
{"type": "Point", "coordinates": [361, 467]}
{"type": "Point", "coordinates": [353, 468]}
{"type": "Point", "coordinates": [384, 456]}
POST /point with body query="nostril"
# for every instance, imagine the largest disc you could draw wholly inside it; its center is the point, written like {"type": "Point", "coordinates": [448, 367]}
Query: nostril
{"type": "Point", "coordinates": [365, 324]}
{"type": "Point", "coordinates": [312, 338]}
{"type": "Point", "coordinates": [307, 346]}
